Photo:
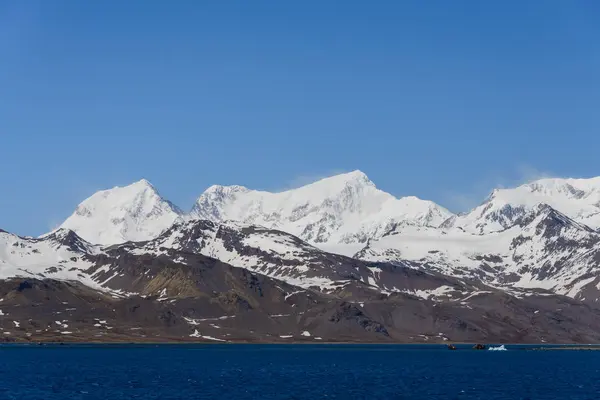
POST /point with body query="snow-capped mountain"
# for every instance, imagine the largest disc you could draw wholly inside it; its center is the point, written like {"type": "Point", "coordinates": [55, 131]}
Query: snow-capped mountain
{"type": "Point", "coordinates": [284, 257]}
{"type": "Point", "coordinates": [59, 255]}
{"type": "Point", "coordinates": [532, 236]}
{"type": "Point", "coordinates": [63, 255]}
{"type": "Point", "coordinates": [61, 288]}
{"type": "Point", "coordinates": [543, 249]}
{"type": "Point", "coordinates": [136, 268]}
{"type": "Point", "coordinates": [579, 199]}
{"type": "Point", "coordinates": [338, 257]}
{"type": "Point", "coordinates": [151, 267]}
{"type": "Point", "coordinates": [346, 208]}
{"type": "Point", "coordinates": [132, 213]}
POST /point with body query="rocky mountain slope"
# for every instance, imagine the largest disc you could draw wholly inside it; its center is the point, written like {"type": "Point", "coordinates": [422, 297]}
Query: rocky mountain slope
{"type": "Point", "coordinates": [343, 249]}
{"type": "Point", "coordinates": [232, 305]}
{"type": "Point", "coordinates": [542, 249]}
{"type": "Point", "coordinates": [60, 255]}
{"type": "Point", "coordinates": [167, 289]}
{"type": "Point", "coordinates": [347, 214]}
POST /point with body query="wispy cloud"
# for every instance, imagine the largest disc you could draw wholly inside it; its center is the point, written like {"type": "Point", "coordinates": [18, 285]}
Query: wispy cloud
{"type": "Point", "coordinates": [479, 191]}
{"type": "Point", "coordinates": [54, 224]}
{"type": "Point", "coordinates": [527, 173]}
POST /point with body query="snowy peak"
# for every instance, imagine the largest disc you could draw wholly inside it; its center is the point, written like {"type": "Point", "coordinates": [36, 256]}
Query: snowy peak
{"type": "Point", "coordinates": [579, 199]}
{"type": "Point", "coordinates": [339, 182]}
{"type": "Point", "coordinates": [556, 192]}
{"type": "Point", "coordinates": [344, 208]}
{"type": "Point", "coordinates": [70, 240]}
{"type": "Point", "coordinates": [210, 203]}
{"type": "Point", "coordinates": [543, 249]}
{"type": "Point", "coordinates": [59, 255]}
{"type": "Point", "coordinates": [561, 187]}
{"type": "Point", "coordinates": [549, 223]}
{"type": "Point", "coordinates": [131, 213]}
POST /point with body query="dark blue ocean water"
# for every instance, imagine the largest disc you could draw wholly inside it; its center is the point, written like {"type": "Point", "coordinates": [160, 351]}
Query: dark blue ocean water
{"type": "Point", "coordinates": [294, 372]}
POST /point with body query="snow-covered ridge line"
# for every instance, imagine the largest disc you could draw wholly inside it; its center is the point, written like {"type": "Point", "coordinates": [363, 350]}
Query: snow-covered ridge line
{"type": "Point", "coordinates": [346, 208]}
{"type": "Point", "coordinates": [61, 255]}
{"type": "Point", "coordinates": [579, 199]}
{"type": "Point", "coordinates": [544, 249]}
{"type": "Point", "coordinates": [132, 213]}
{"type": "Point", "coordinates": [342, 209]}
{"type": "Point", "coordinates": [538, 235]}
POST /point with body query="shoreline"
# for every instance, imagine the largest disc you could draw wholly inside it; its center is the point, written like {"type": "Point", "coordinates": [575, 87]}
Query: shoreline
{"type": "Point", "coordinates": [461, 346]}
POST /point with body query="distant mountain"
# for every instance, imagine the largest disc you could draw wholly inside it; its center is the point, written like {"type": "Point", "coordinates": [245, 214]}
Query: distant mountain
{"type": "Point", "coordinates": [60, 255]}
{"type": "Point", "coordinates": [276, 289]}
{"type": "Point", "coordinates": [539, 235]}
{"type": "Point", "coordinates": [131, 213]}
{"type": "Point", "coordinates": [346, 208]}
{"type": "Point", "coordinates": [284, 257]}
{"type": "Point", "coordinates": [63, 255]}
{"type": "Point", "coordinates": [579, 199]}
{"type": "Point", "coordinates": [542, 249]}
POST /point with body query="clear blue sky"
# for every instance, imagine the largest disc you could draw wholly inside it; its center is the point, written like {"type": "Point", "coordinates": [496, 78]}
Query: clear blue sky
{"type": "Point", "coordinates": [439, 99]}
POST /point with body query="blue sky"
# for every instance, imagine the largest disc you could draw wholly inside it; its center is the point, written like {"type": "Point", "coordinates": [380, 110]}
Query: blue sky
{"type": "Point", "coordinates": [443, 100]}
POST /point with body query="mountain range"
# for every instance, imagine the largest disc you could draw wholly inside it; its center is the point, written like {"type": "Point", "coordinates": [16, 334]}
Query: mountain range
{"type": "Point", "coordinates": [347, 208]}
{"type": "Point", "coordinates": [336, 260]}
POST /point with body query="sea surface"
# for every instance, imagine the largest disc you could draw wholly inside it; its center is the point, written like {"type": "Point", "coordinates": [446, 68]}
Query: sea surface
{"type": "Point", "coordinates": [294, 372]}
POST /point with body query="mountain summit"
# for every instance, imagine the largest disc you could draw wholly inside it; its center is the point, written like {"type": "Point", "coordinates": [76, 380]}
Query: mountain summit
{"type": "Point", "coordinates": [131, 213]}
{"type": "Point", "coordinates": [345, 208]}
{"type": "Point", "coordinates": [579, 199]}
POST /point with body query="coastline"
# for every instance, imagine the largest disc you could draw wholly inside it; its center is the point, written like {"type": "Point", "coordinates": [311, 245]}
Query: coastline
{"type": "Point", "coordinates": [175, 342]}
